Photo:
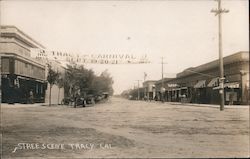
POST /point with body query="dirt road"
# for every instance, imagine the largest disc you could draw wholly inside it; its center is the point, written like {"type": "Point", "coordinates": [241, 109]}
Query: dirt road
{"type": "Point", "coordinates": [123, 128]}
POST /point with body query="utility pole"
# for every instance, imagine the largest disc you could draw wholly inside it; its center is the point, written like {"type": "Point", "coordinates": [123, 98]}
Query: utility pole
{"type": "Point", "coordinates": [1, 140]}
{"type": "Point", "coordinates": [138, 97]}
{"type": "Point", "coordinates": [162, 83]}
{"type": "Point", "coordinates": [145, 89]}
{"type": "Point", "coordinates": [0, 75]}
{"type": "Point", "coordinates": [161, 72]}
{"type": "Point", "coordinates": [218, 12]}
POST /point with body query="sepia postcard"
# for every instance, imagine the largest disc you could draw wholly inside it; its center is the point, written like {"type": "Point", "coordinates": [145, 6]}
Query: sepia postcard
{"type": "Point", "coordinates": [124, 79]}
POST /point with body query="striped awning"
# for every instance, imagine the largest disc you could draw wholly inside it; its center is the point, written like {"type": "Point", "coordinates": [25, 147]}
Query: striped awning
{"type": "Point", "coordinates": [214, 82]}
{"type": "Point", "coordinates": [200, 84]}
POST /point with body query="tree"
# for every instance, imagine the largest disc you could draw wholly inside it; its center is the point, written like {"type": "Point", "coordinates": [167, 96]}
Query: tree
{"type": "Point", "coordinates": [103, 83]}
{"type": "Point", "coordinates": [52, 79]}
{"type": "Point", "coordinates": [81, 80]}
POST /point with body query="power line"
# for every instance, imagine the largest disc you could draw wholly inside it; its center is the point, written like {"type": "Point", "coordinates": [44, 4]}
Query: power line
{"type": "Point", "coordinates": [200, 73]}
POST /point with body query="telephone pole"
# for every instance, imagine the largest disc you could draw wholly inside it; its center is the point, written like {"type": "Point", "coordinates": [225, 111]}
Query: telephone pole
{"type": "Point", "coordinates": [145, 89]}
{"type": "Point", "coordinates": [138, 95]}
{"type": "Point", "coordinates": [162, 72]}
{"type": "Point", "coordinates": [162, 83]}
{"type": "Point", "coordinates": [218, 12]}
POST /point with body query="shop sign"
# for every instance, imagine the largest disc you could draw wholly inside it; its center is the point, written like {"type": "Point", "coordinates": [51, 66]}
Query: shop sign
{"type": "Point", "coordinates": [171, 85]}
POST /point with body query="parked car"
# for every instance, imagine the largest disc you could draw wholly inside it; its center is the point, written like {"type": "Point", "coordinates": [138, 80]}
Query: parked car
{"type": "Point", "coordinates": [71, 101]}
{"type": "Point", "coordinates": [90, 99]}
{"type": "Point", "coordinates": [98, 98]}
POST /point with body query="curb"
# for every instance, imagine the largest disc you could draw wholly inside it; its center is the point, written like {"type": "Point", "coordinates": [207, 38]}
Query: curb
{"type": "Point", "coordinates": [211, 106]}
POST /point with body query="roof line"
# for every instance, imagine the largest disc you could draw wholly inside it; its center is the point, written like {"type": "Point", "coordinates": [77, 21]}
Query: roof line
{"type": "Point", "coordinates": [24, 34]}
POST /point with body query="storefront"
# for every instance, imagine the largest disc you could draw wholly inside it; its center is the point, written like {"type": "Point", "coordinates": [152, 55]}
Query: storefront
{"type": "Point", "coordinates": [17, 90]}
{"type": "Point", "coordinates": [232, 93]}
{"type": "Point", "coordinates": [19, 84]}
{"type": "Point", "coordinates": [22, 78]}
{"type": "Point", "coordinates": [200, 84]}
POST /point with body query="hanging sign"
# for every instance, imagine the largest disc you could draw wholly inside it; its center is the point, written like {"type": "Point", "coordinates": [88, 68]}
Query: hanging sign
{"type": "Point", "coordinates": [90, 58]}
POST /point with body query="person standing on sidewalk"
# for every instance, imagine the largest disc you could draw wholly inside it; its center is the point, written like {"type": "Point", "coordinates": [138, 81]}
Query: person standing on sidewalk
{"type": "Point", "coordinates": [31, 97]}
{"type": "Point", "coordinates": [231, 98]}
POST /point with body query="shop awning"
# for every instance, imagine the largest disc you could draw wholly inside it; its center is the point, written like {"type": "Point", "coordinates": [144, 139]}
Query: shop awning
{"type": "Point", "coordinates": [232, 85]}
{"type": "Point", "coordinates": [200, 84]}
{"type": "Point", "coordinates": [30, 79]}
{"type": "Point", "coordinates": [172, 85]}
{"type": "Point", "coordinates": [229, 85]}
{"type": "Point", "coordinates": [176, 89]}
{"type": "Point", "coordinates": [214, 82]}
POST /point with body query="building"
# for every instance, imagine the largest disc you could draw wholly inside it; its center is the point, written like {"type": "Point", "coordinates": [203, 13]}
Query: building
{"type": "Point", "coordinates": [158, 88]}
{"type": "Point", "coordinates": [57, 92]}
{"type": "Point", "coordinates": [201, 84]}
{"type": "Point", "coordinates": [149, 89]}
{"type": "Point", "coordinates": [22, 73]}
{"type": "Point", "coordinates": [22, 78]}
{"type": "Point", "coordinates": [58, 64]}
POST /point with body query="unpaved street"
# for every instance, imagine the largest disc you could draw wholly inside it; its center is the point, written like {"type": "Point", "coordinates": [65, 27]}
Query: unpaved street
{"type": "Point", "coordinates": [123, 128]}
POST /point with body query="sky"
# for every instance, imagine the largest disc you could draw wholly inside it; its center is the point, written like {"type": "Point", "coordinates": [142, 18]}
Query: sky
{"type": "Point", "coordinates": [184, 32]}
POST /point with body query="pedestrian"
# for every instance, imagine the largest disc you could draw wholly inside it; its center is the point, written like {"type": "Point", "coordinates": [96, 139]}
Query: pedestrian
{"type": "Point", "coordinates": [83, 102]}
{"type": "Point", "coordinates": [31, 97]}
{"type": "Point", "coordinates": [231, 96]}
{"type": "Point", "coordinates": [183, 98]}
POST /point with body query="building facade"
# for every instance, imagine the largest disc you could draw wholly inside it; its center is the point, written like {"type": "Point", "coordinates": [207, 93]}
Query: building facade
{"type": "Point", "coordinates": [22, 78]}
{"type": "Point", "coordinates": [57, 64]}
{"type": "Point", "coordinates": [149, 89]}
{"type": "Point", "coordinates": [57, 92]}
{"type": "Point", "coordinates": [201, 84]}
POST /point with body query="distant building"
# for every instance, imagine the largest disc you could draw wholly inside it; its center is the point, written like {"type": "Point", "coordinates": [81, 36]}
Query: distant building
{"type": "Point", "coordinates": [166, 85]}
{"type": "Point", "coordinates": [149, 89]}
{"type": "Point", "coordinates": [200, 84]}
{"type": "Point", "coordinates": [137, 93]}
{"type": "Point", "coordinates": [22, 78]}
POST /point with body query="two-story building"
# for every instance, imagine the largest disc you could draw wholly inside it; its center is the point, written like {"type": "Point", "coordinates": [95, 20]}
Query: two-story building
{"type": "Point", "coordinates": [21, 76]}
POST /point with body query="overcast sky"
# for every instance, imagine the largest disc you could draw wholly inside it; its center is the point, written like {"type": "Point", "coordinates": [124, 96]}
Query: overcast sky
{"type": "Point", "coordinates": [185, 32]}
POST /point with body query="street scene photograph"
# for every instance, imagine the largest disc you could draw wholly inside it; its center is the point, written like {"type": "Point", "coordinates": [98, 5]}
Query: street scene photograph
{"type": "Point", "coordinates": [124, 79]}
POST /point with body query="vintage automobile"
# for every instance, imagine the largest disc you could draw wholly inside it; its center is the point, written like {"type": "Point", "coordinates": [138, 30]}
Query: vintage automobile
{"type": "Point", "coordinates": [83, 101]}
{"type": "Point", "coordinates": [74, 102]}
{"type": "Point", "coordinates": [90, 99]}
